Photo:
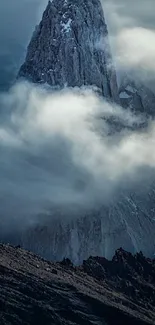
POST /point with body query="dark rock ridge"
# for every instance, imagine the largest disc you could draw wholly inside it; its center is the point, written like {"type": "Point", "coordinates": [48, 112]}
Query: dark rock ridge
{"type": "Point", "coordinates": [70, 47]}
{"type": "Point", "coordinates": [100, 292]}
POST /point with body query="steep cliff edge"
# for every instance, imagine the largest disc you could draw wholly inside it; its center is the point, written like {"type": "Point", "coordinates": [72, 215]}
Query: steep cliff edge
{"type": "Point", "coordinates": [35, 291]}
{"type": "Point", "coordinates": [65, 48]}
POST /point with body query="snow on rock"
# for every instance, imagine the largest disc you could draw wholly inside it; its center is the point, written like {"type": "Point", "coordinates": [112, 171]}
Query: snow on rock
{"type": "Point", "coordinates": [63, 49]}
{"type": "Point", "coordinates": [67, 26]}
{"type": "Point", "coordinates": [123, 94]}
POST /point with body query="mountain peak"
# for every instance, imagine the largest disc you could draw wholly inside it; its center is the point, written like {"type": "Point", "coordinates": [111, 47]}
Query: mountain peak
{"type": "Point", "coordinates": [70, 48]}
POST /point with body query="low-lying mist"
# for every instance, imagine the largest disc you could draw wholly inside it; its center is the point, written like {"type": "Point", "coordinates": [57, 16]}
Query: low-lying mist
{"type": "Point", "coordinates": [69, 149]}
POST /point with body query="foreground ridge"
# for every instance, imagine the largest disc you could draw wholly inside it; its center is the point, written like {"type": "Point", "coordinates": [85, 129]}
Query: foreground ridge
{"type": "Point", "coordinates": [36, 291]}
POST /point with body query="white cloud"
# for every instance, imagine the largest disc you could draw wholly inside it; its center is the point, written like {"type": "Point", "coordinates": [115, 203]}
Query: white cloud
{"type": "Point", "coordinates": [132, 36]}
{"type": "Point", "coordinates": [136, 48]}
{"type": "Point", "coordinates": [61, 148]}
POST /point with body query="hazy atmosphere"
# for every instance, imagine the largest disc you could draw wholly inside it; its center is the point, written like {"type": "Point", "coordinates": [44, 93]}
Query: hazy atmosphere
{"type": "Point", "coordinates": [74, 157]}
{"type": "Point", "coordinates": [77, 162]}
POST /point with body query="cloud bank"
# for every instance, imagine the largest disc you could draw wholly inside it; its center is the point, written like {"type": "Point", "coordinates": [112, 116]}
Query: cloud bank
{"type": "Point", "coordinates": [132, 31]}
{"type": "Point", "coordinates": [63, 149]}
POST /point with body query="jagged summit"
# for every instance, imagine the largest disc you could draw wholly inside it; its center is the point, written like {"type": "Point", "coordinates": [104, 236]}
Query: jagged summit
{"type": "Point", "coordinates": [70, 48]}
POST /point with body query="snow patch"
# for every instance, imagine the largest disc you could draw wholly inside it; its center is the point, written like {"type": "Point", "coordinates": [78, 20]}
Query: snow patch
{"type": "Point", "coordinates": [67, 26]}
{"type": "Point", "coordinates": [123, 94]}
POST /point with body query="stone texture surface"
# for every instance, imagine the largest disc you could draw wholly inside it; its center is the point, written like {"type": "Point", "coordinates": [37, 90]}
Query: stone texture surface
{"type": "Point", "coordinates": [34, 291]}
{"type": "Point", "coordinates": [70, 47]}
{"type": "Point", "coordinates": [134, 94]}
{"type": "Point", "coordinates": [127, 222]}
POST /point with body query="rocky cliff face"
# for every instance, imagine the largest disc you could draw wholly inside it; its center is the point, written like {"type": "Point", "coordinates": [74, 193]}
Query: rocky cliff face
{"type": "Point", "coordinates": [134, 94]}
{"type": "Point", "coordinates": [66, 50]}
{"type": "Point", "coordinates": [35, 291]}
{"type": "Point", "coordinates": [127, 222]}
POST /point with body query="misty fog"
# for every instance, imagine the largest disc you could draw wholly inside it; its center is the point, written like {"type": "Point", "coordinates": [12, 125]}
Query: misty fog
{"type": "Point", "coordinates": [72, 158]}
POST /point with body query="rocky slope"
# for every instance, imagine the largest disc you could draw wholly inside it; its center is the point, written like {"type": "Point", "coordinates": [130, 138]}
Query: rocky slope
{"type": "Point", "coordinates": [35, 291]}
{"type": "Point", "coordinates": [70, 48]}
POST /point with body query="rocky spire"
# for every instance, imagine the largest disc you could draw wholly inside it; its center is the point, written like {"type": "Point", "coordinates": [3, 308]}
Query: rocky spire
{"type": "Point", "coordinates": [70, 48]}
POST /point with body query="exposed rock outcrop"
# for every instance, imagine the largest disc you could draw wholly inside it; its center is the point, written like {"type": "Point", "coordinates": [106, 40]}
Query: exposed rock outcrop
{"type": "Point", "coordinates": [137, 96]}
{"type": "Point", "coordinates": [66, 50]}
{"type": "Point", "coordinates": [35, 291]}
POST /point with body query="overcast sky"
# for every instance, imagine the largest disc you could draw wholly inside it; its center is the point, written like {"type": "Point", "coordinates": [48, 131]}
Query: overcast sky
{"type": "Point", "coordinates": [140, 12]}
